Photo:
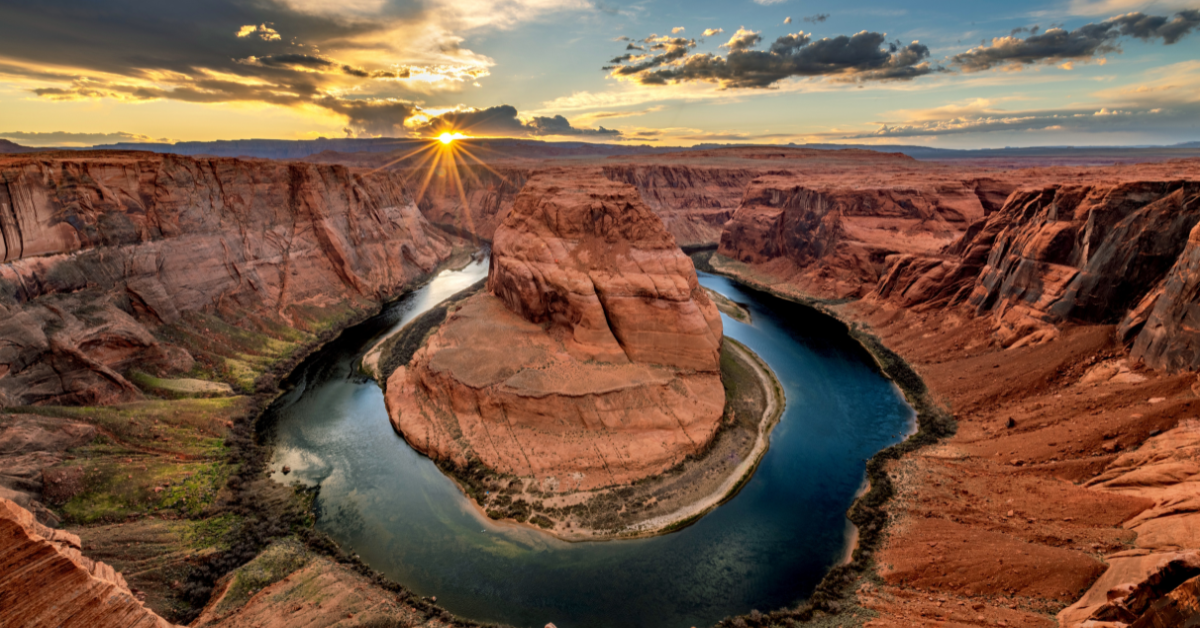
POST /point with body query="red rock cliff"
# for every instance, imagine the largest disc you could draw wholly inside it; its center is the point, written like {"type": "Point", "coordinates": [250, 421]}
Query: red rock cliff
{"type": "Point", "coordinates": [102, 249]}
{"type": "Point", "coordinates": [46, 581]}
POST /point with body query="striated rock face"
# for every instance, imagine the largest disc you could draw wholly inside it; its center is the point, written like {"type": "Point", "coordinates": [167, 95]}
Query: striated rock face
{"type": "Point", "coordinates": [592, 360]}
{"type": "Point", "coordinates": [694, 203]}
{"type": "Point", "coordinates": [838, 239]}
{"type": "Point", "coordinates": [46, 581]}
{"type": "Point", "coordinates": [478, 208]}
{"type": "Point", "coordinates": [1087, 253]}
{"type": "Point", "coordinates": [101, 250]}
{"type": "Point", "coordinates": [593, 262]}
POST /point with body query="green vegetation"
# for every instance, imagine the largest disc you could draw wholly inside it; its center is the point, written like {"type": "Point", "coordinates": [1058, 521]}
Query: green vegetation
{"type": "Point", "coordinates": [188, 428]}
{"type": "Point", "coordinates": [274, 564]}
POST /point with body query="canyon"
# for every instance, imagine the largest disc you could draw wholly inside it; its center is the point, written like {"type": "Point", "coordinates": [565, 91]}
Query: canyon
{"type": "Point", "coordinates": [152, 301]}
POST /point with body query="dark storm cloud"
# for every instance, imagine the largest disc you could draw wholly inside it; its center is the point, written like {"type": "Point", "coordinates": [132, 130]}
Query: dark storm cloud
{"type": "Point", "coordinates": [865, 56]}
{"type": "Point", "coordinates": [502, 120]}
{"type": "Point", "coordinates": [133, 37]}
{"type": "Point", "coordinates": [559, 125]}
{"type": "Point", "coordinates": [289, 60]}
{"type": "Point", "coordinates": [1084, 43]}
{"type": "Point", "coordinates": [371, 117]}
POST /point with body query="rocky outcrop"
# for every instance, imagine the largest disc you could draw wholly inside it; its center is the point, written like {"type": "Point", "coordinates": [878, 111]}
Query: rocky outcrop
{"type": "Point", "coordinates": [838, 239]}
{"type": "Point", "coordinates": [46, 581]}
{"type": "Point", "coordinates": [592, 359]}
{"type": "Point", "coordinates": [1084, 253]}
{"type": "Point", "coordinates": [102, 250]}
{"type": "Point", "coordinates": [693, 202]}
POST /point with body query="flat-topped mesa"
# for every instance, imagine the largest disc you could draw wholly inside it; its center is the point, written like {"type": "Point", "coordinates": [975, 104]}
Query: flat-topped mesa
{"type": "Point", "coordinates": [588, 258]}
{"type": "Point", "coordinates": [592, 360]}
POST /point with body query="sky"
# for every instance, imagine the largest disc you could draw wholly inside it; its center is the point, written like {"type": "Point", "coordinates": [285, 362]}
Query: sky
{"type": "Point", "coordinates": [925, 72]}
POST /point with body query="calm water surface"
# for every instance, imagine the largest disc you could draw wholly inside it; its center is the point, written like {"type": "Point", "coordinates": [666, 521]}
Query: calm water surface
{"type": "Point", "coordinates": [766, 548]}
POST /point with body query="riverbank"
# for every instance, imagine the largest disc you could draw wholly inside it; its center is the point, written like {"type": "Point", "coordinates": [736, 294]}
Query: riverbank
{"type": "Point", "coordinates": [868, 516]}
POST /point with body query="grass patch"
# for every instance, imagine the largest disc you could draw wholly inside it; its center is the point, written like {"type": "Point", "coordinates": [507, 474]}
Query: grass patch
{"type": "Point", "coordinates": [193, 428]}
{"type": "Point", "coordinates": [115, 488]}
{"type": "Point", "coordinates": [180, 388]}
{"type": "Point", "coordinates": [275, 563]}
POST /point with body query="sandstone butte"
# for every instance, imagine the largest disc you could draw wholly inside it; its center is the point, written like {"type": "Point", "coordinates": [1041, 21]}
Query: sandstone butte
{"type": "Point", "coordinates": [593, 357]}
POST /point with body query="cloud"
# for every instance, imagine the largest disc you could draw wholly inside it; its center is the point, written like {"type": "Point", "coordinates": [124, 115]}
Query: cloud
{"type": "Point", "coordinates": [1085, 43]}
{"type": "Point", "coordinates": [306, 54]}
{"type": "Point", "coordinates": [769, 2]}
{"type": "Point", "coordinates": [372, 117]}
{"type": "Point", "coordinates": [1167, 103]}
{"type": "Point", "coordinates": [1109, 7]}
{"type": "Point", "coordinates": [817, 19]}
{"type": "Point", "coordinates": [865, 56]}
{"type": "Point", "coordinates": [787, 20]}
{"type": "Point", "coordinates": [63, 138]}
{"type": "Point", "coordinates": [677, 30]}
{"type": "Point", "coordinates": [503, 121]}
{"type": "Point", "coordinates": [742, 40]}
{"type": "Point", "coordinates": [264, 32]}
{"type": "Point", "coordinates": [709, 32]}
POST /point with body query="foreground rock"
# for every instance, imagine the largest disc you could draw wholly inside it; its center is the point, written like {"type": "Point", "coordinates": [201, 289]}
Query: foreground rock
{"type": "Point", "coordinates": [105, 252]}
{"type": "Point", "coordinates": [592, 359]}
{"type": "Point", "coordinates": [46, 581]}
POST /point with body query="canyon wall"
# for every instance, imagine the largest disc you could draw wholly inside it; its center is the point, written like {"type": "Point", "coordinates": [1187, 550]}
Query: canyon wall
{"type": "Point", "coordinates": [592, 359]}
{"type": "Point", "coordinates": [104, 251]}
{"type": "Point", "coordinates": [1101, 254]}
{"type": "Point", "coordinates": [46, 581]}
{"type": "Point", "coordinates": [836, 239]}
{"type": "Point", "coordinates": [693, 202]}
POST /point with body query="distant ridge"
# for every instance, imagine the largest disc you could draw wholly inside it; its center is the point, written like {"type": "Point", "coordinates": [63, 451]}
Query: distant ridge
{"type": "Point", "coordinates": [514, 148]}
{"type": "Point", "coordinates": [10, 147]}
{"type": "Point", "coordinates": [299, 149]}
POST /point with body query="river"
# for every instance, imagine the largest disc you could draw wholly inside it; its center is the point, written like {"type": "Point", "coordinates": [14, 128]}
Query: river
{"type": "Point", "coordinates": [766, 548]}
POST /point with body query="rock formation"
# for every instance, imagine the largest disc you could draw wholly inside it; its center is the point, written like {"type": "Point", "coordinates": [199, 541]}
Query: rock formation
{"type": "Point", "coordinates": [46, 581]}
{"type": "Point", "coordinates": [837, 239]}
{"type": "Point", "coordinates": [591, 360]}
{"type": "Point", "coordinates": [101, 250]}
{"type": "Point", "coordinates": [1085, 253]}
{"type": "Point", "coordinates": [694, 203]}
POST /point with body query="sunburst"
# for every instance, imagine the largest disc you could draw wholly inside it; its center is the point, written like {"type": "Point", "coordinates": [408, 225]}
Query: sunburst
{"type": "Point", "coordinates": [442, 155]}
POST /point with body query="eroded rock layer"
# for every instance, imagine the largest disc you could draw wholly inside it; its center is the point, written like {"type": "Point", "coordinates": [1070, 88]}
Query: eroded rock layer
{"type": "Point", "coordinates": [46, 581]}
{"type": "Point", "coordinates": [837, 239]}
{"type": "Point", "coordinates": [1097, 254]}
{"type": "Point", "coordinates": [591, 360]}
{"type": "Point", "coordinates": [103, 249]}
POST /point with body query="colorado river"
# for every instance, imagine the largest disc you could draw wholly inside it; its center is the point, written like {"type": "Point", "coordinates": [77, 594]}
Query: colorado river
{"type": "Point", "coordinates": [766, 548]}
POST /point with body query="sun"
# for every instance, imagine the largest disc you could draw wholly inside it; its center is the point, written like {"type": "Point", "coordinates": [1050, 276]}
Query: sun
{"type": "Point", "coordinates": [447, 138]}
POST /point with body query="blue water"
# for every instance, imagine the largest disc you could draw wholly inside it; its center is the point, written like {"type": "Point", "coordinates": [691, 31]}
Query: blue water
{"type": "Point", "coordinates": [766, 548]}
